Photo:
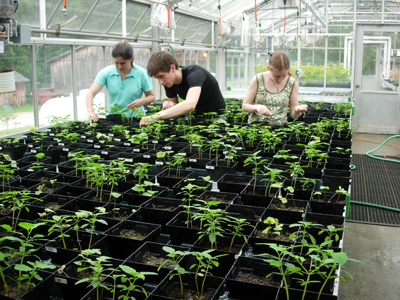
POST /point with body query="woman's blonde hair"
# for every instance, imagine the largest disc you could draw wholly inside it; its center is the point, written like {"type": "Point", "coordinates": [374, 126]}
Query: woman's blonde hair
{"type": "Point", "coordinates": [279, 61]}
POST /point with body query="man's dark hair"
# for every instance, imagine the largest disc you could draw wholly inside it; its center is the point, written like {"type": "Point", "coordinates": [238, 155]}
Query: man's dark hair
{"type": "Point", "coordinates": [161, 61]}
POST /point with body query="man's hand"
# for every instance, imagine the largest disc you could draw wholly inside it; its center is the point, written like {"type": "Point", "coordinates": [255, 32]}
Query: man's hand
{"type": "Point", "coordinates": [145, 121]}
{"type": "Point", "coordinates": [167, 104]}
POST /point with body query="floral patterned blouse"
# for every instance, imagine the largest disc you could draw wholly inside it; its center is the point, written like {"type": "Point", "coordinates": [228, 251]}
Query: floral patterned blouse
{"type": "Point", "coordinates": [277, 103]}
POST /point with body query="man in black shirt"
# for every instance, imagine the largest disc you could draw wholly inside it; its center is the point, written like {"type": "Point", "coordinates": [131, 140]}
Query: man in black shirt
{"type": "Point", "coordinates": [194, 84]}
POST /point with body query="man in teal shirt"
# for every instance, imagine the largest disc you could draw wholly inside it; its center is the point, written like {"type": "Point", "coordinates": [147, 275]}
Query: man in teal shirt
{"type": "Point", "coordinates": [125, 81]}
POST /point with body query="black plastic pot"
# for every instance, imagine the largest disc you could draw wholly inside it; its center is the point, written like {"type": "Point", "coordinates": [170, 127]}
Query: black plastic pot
{"type": "Point", "coordinates": [295, 294]}
{"type": "Point", "coordinates": [56, 287]}
{"type": "Point", "coordinates": [117, 247]}
{"type": "Point", "coordinates": [217, 171]}
{"type": "Point", "coordinates": [131, 197]}
{"type": "Point", "coordinates": [15, 152]}
{"type": "Point", "coordinates": [53, 151]}
{"type": "Point", "coordinates": [106, 294]}
{"type": "Point", "coordinates": [148, 231]}
{"type": "Point", "coordinates": [163, 290]}
{"type": "Point", "coordinates": [160, 258]}
{"type": "Point", "coordinates": [240, 289]}
{"type": "Point", "coordinates": [180, 232]}
{"type": "Point", "coordinates": [251, 213]}
{"type": "Point", "coordinates": [44, 175]}
{"type": "Point", "coordinates": [255, 196]}
{"type": "Point", "coordinates": [258, 241]}
{"type": "Point", "coordinates": [227, 243]}
{"type": "Point", "coordinates": [225, 198]}
{"type": "Point", "coordinates": [233, 183]}
{"type": "Point", "coordinates": [160, 210]}
{"type": "Point", "coordinates": [31, 160]}
{"type": "Point", "coordinates": [171, 177]}
{"type": "Point", "coordinates": [290, 212]}
{"type": "Point", "coordinates": [36, 282]}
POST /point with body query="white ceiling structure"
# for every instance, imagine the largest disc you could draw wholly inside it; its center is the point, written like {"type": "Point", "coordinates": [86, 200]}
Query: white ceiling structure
{"type": "Point", "coordinates": [233, 23]}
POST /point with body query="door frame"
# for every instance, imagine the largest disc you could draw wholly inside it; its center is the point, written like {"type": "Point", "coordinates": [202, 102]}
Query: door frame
{"type": "Point", "coordinates": [368, 114]}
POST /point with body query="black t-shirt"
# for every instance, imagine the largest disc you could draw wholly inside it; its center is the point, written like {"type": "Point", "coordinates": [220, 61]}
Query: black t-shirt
{"type": "Point", "coordinates": [210, 99]}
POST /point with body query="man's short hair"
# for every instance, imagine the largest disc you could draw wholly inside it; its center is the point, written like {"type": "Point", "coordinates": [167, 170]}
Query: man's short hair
{"type": "Point", "coordinates": [161, 61]}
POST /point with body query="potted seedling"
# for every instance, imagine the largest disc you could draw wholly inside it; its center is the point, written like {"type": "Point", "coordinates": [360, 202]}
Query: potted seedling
{"type": "Point", "coordinates": [273, 178]}
{"type": "Point", "coordinates": [60, 225]}
{"type": "Point", "coordinates": [189, 196]}
{"type": "Point", "coordinates": [236, 227]}
{"type": "Point", "coordinates": [256, 161]}
{"type": "Point", "coordinates": [205, 263]}
{"type": "Point", "coordinates": [144, 188]}
{"type": "Point", "coordinates": [175, 256]}
{"type": "Point", "coordinates": [141, 171]}
{"type": "Point", "coordinates": [212, 220]}
{"type": "Point", "coordinates": [94, 267]}
{"type": "Point", "coordinates": [17, 202]}
{"type": "Point", "coordinates": [7, 175]}
{"type": "Point", "coordinates": [13, 147]}
{"type": "Point", "coordinates": [27, 273]}
{"type": "Point", "coordinates": [128, 281]}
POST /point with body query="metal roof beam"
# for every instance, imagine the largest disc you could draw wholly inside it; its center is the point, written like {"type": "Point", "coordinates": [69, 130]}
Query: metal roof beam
{"type": "Point", "coordinates": [88, 14]}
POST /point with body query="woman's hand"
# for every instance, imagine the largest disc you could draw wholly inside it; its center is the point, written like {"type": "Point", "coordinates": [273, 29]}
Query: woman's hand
{"type": "Point", "coordinates": [263, 110]}
{"type": "Point", "coordinates": [135, 104]}
{"type": "Point", "coordinates": [93, 116]}
{"type": "Point", "coordinates": [301, 108]}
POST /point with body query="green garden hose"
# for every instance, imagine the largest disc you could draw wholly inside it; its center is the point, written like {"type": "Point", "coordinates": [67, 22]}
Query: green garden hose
{"type": "Point", "coordinates": [371, 204]}
{"type": "Point", "coordinates": [382, 158]}
{"type": "Point", "coordinates": [375, 205]}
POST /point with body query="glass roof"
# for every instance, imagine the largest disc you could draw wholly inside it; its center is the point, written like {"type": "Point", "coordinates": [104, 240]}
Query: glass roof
{"type": "Point", "coordinates": [194, 19]}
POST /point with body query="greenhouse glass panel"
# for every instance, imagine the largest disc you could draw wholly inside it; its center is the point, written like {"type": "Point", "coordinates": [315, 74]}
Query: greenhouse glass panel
{"type": "Point", "coordinates": [314, 69]}
{"type": "Point", "coordinates": [241, 67]}
{"type": "Point", "coordinates": [262, 62]}
{"type": "Point", "coordinates": [202, 58]}
{"type": "Point", "coordinates": [229, 69]}
{"type": "Point", "coordinates": [190, 57]}
{"type": "Point", "coordinates": [55, 62]}
{"type": "Point", "coordinates": [76, 12]}
{"type": "Point", "coordinates": [28, 12]}
{"type": "Point", "coordinates": [369, 66]}
{"type": "Point", "coordinates": [336, 74]}
{"type": "Point", "coordinates": [179, 56]}
{"type": "Point", "coordinates": [16, 109]}
{"type": "Point", "coordinates": [213, 61]}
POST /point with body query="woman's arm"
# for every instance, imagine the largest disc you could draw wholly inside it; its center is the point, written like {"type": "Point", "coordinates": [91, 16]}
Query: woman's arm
{"type": "Point", "coordinates": [248, 101]}
{"type": "Point", "coordinates": [92, 92]}
{"type": "Point", "coordinates": [295, 109]}
{"type": "Point", "coordinates": [150, 97]}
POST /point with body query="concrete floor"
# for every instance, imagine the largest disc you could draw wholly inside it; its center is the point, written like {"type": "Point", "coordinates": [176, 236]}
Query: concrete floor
{"type": "Point", "coordinates": [378, 247]}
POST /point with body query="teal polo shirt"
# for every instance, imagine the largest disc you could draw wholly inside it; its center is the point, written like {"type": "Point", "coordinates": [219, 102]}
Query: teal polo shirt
{"type": "Point", "coordinates": [123, 92]}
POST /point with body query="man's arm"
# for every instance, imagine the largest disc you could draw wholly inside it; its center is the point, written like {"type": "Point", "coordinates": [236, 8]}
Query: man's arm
{"type": "Point", "coordinates": [177, 110]}
{"type": "Point", "coordinates": [170, 103]}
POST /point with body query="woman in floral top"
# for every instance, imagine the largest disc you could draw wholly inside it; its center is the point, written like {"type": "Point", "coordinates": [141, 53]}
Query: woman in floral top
{"type": "Point", "coordinates": [271, 93]}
